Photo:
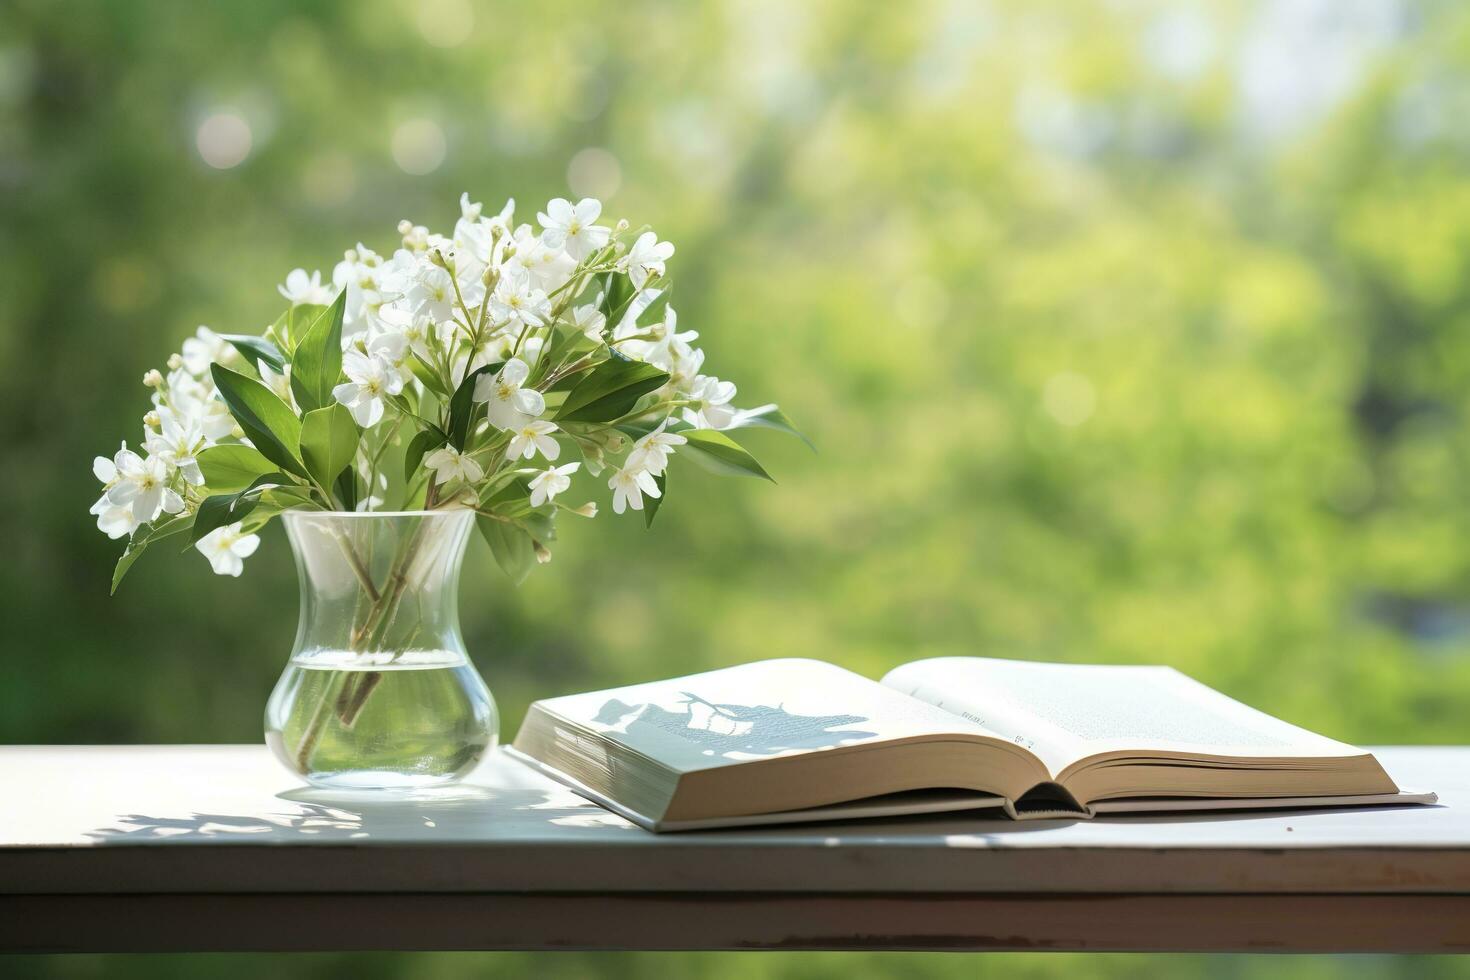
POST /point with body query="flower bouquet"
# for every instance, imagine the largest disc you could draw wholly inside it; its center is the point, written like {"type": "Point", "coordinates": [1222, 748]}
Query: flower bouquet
{"type": "Point", "coordinates": [463, 381]}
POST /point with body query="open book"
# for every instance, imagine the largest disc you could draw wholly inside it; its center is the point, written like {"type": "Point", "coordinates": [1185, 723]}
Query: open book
{"type": "Point", "coordinates": [780, 741]}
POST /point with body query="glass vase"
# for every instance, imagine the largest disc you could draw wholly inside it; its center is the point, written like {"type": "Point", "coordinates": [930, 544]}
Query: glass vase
{"type": "Point", "coordinates": [379, 693]}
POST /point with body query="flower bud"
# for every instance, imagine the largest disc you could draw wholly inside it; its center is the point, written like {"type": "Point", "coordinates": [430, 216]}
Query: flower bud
{"type": "Point", "coordinates": [543, 555]}
{"type": "Point", "coordinates": [153, 379]}
{"type": "Point", "coordinates": [152, 420]}
{"type": "Point", "coordinates": [175, 362]}
{"type": "Point", "coordinates": [589, 509]}
{"type": "Point", "coordinates": [622, 225]}
{"type": "Point", "coordinates": [437, 257]}
{"type": "Point", "coordinates": [405, 227]}
{"type": "Point", "coordinates": [350, 255]}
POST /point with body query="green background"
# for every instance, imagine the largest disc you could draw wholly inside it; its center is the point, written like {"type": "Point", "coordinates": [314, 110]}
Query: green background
{"type": "Point", "coordinates": [1128, 332]}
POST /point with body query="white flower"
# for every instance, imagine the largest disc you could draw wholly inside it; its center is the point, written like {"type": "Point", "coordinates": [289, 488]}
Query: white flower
{"type": "Point", "coordinates": [590, 320]}
{"type": "Point", "coordinates": [105, 470]}
{"type": "Point", "coordinates": [469, 210]}
{"type": "Point", "coordinates": [177, 442]}
{"type": "Point", "coordinates": [532, 437]}
{"type": "Point", "coordinates": [360, 273]}
{"type": "Point", "coordinates": [203, 349]}
{"type": "Point", "coordinates": [430, 291]}
{"type": "Point", "coordinates": [715, 410]}
{"type": "Point", "coordinates": [371, 379]}
{"type": "Point", "coordinates": [571, 226]}
{"type": "Point", "coordinates": [628, 486]}
{"type": "Point", "coordinates": [509, 405]}
{"type": "Point", "coordinates": [646, 258]}
{"type": "Point", "coordinates": [279, 383]}
{"type": "Point", "coordinates": [449, 464]}
{"type": "Point", "coordinates": [114, 520]}
{"type": "Point", "coordinates": [652, 452]}
{"type": "Point", "coordinates": [302, 289]}
{"type": "Point", "coordinates": [226, 548]}
{"type": "Point", "coordinates": [142, 484]}
{"type": "Point", "coordinates": [518, 302]}
{"type": "Point", "coordinates": [550, 482]}
{"type": "Point", "coordinates": [190, 397]}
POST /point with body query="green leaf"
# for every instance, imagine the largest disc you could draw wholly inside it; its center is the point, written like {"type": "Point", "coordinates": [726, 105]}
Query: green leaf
{"type": "Point", "coordinates": [292, 325]}
{"type": "Point", "coordinates": [257, 349]}
{"type": "Point", "coordinates": [427, 375]}
{"type": "Point", "coordinates": [511, 547]}
{"type": "Point", "coordinates": [346, 488]}
{"type": "Point", "coordinates": [268, 421]}
{"type": "Point", "coordinates": [540, 523]}
{"type": "Point", "coordinates": [720, 454]}
{"type": "Point", "coordinates": [219, 509]}
{"type": "Point", "coordinates": [617, 292]}
{"type": "Point", "coordinates": [142, 538]}
{"type": "Point", "coordinates": [651, 504]}
{"type": "Point", "coordinates": [567, 344]}
{"type": "Point", "coordinates": [230, 468]}
{"type": "Point", "coordinates": [316, 364]}
{"type": "Point", "coordinates": [328, 442]}
{"type": "Point", "coordinates": [768, 417]}
{"type": "Point", "coordinates": [419, 446]}
{"type": "Point", "coordinates": [462, 405]}
{"type": "Point", "coordinates": [610, 391]}
{"type": "Point", "coordinates": [290, 498]}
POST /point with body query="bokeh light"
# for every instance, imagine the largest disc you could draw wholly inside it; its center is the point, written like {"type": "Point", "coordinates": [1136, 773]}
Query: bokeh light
{"type": "Point", "coordinates": [594, 172]}
{"type": "Point", "coordinates": [444, 23]}
{"type": "Point", "coordinates": [419, 146]}
{"type": "Point", "coordinates": [223, 139]}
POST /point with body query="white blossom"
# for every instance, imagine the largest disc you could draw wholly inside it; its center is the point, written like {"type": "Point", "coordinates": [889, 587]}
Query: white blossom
{"type": "Point", "coordinates": [629, 485]}
{"type": "Point", "coordinates": [196, 398]}
{"type": "Point", "coordinates": [143, 485]}
{"type": "Point", "coordinates": [652, 451]}
{"type": "Point", "coordinates": [301, 289]}
{"type": "Point", "coordinates": [590, 321]}
{"type": "Point", "coordinates": [227, 548]}
{"type": "Point", "coordinates": [508, 404]}
{"type": "Point", "coordinates": [178, 442]}
{"type": "Point", "coordinates": [570, 226]}
{"type": "Point", "coordinates": [114, 520]}
{"type": "Point", "coordinates": [549, 268]}
{"type": "Point", "coordinates": [531, 438]}
{"type": "Point", "coordinates": [646, 258]}
{"type": "Point", "coordinates": [371, 378]}
{"type": "Point", "coordinates": [550, 482]}
{"type": "Point", "coordinates": [449, 464]}
{"type": "Point", "coordinates": [360, 273]}
{"type": "Point", "coordinates": [430, 291]}
{"type": "Point", "coordinates": [714, 410]}
{"type": "Point", "coordinates": [518, 302]}
{"type": "Point", "coordinates": [280, 383]}
{"type": "Point", "coordinates": [203, 349]}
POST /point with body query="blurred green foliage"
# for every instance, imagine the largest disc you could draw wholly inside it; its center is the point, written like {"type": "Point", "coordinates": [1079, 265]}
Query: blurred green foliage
{"type": "Point", "coordinates": [1127, 332]}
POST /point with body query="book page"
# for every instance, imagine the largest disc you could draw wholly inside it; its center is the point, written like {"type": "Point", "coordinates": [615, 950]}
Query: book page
{"type": "Point", "coordinates": [1066, 712]}
{"type": "Point", "coordinates": [762, 710]}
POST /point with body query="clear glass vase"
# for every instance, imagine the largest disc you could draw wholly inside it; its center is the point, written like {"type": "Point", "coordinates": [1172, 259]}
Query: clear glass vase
{"type": "Point", "coordinates": [379, 693]}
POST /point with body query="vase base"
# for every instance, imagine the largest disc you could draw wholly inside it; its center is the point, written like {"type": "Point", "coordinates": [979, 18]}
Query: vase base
{"type": "Point", "coordinates": [378, 780]}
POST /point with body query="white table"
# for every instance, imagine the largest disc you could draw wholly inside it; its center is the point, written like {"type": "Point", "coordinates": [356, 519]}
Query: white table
{"type": "Point", "coordinates": [176, 848]}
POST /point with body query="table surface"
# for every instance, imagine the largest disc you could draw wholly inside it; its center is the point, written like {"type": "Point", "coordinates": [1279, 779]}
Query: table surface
{"type": "Point", "coordinates": [213, 848]}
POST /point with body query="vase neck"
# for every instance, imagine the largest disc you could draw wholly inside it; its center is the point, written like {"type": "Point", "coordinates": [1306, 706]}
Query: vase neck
{"type": "Point", "coordinates": [379, 588]}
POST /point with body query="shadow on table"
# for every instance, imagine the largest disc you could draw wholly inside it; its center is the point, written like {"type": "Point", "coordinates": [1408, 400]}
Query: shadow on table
{"type": "Point", "coordinates": [315, 816]}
